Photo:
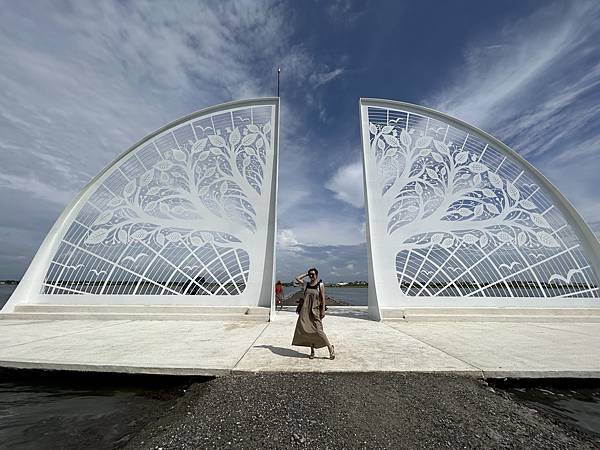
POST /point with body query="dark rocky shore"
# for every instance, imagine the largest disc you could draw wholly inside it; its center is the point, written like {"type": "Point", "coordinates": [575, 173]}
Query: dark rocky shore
{"type": "Point", "coordinates": [292, 300]}
{"type": "Point", "coordinates": [336, 411]}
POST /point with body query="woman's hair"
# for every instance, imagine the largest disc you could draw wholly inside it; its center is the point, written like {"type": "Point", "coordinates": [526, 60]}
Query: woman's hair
{"type": "Point", "coordinates": [278, 282]}
{"type": "Point", "coordinates": [314, 270]}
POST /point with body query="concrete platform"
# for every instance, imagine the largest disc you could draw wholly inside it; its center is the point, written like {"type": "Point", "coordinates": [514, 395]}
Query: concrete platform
{"type": "Point", "coordinates": [491, 314]}
{"type": "Point", "coordinates": [136, 312]}
{"type": "Point", "coordinates": [219, 347]}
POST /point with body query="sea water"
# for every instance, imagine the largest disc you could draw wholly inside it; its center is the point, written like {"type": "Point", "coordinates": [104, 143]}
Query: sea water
{"type": "Point", "coordinates": [5, 292]}
{"type": "Point", "coordinates": [576, 402]}
{"type": "Point", "coordinates": [352, 296]}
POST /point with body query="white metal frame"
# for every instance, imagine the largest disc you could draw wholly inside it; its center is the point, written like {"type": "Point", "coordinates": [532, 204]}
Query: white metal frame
{"type": "Point", "coordinates": [261, 247]}
{"type": "Point", "coordinates": [385, 290]}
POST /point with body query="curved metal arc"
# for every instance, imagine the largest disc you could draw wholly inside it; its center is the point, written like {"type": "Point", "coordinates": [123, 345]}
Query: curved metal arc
{"type": "Point", "coordinates": [374, 307]}
{"type": "Point", "coordinates": [264, 101]}
{"type": "Point", "coordinates": [34, 275]}
{"type": "Point", "coordinates": [580, 227]}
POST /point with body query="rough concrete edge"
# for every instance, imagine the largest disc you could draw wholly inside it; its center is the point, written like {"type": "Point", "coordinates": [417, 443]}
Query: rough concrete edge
{"type": "Point", "coordinates": [466, 373]}
{"type": "Point", "coordinates": [218, 372]}
{"type": "Point", "coordinates": [492, 319]}
{"type": "Point", "coordinates": [122, 317]}
{"type": "Point", "coordinates": [541, 374]}
{"type": "Point", "coordinates": [183, 371]}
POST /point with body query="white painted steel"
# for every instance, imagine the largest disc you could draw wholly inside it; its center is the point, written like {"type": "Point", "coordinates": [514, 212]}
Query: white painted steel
{"type": "Point", "coordinates": [186, 216]}
{"type": "Point", "coordinates": [456, 218]}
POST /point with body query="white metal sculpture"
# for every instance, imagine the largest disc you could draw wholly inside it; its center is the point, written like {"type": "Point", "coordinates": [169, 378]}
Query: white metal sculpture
{"type": "Point", "coordinates": [186, 216]}
{"type": "Point", "coordinates": [457, 218]}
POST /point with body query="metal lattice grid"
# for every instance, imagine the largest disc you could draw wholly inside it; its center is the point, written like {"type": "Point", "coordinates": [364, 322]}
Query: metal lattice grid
{"type": "Point", "coordinates": [177, 215]}
{"type": "Point", "coordinates": [463, 217]}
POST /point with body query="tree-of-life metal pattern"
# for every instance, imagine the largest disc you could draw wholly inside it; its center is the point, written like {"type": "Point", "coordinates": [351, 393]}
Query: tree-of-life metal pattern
{"type": "Point", "coordinates": [462, 217]}
{"type": "Point", "coordinates": [183, 213]}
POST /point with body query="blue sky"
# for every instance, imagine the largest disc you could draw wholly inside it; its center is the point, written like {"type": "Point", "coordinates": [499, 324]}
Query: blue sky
{"type": "Point", "coordinates": [82, 81]}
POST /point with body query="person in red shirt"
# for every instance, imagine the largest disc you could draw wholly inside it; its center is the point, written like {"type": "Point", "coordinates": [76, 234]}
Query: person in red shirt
{"type": "Point", "coordinates": [279, 295]}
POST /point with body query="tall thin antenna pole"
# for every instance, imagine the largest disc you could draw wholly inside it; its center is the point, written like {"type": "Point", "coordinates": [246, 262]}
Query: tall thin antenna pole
{"type": "Point", "coordinates": [278, 72]}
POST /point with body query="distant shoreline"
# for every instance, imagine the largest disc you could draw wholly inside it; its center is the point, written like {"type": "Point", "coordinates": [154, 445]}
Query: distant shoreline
{"type": "Point", "coordinates": [16, 282]}
{"type": "Point", "coordinates": [332, 285]}
{"type": "Point", "coordinates": [353, 286]}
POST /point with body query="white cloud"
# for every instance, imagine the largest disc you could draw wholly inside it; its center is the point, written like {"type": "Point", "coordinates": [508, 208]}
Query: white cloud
{"type": "Point", "coordinates": [287, 242]}
{"type": "Point", "coordinates": [320, 79]}
{"type": "Point", "coordinates": [343, 11]}
{"type": "Point", "coordinates": [490, 80]}
{"type": "Point", "coordinates": [534, 84]}
{"type": "Point", "coordinates": [347, 184]}
{"type": "Point", "coordinates": [330, 229]}
{"type": "Point", "coordinates": [82, 83]}
{"type": "Point", "coordinates": [333, 262]}
{"type": "Point", "coordinates": [38, 189]}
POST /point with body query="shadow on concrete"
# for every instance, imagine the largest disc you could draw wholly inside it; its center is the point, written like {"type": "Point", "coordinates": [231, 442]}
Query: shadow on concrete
{"type": "Point", "coordinates": [282, 351]}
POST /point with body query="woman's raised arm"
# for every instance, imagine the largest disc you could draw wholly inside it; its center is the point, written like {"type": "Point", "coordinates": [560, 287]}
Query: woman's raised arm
{"type": "Point", "coordinates": [300, 278]}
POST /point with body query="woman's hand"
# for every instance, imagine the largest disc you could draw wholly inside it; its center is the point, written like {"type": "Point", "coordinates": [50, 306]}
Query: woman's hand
{"type": "Point", "coordinates": [322, 313]}
{"type": "Point", "coordinates": [300, 278]}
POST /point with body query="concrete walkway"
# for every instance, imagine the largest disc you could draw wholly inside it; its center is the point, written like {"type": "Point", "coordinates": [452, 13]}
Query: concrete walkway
{"type": "Point", "coordinates": [489, 349]}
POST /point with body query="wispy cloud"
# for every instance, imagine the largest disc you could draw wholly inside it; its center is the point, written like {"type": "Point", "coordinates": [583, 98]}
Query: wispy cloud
{"type": "Point", "coordinates": [344, 11]}
{"type": "Point", "coordinates": [335, 263]}
{"type": "Point", "coordinates": [320, 79]}
{"type": "Point", "coordinates": [534, 85]}
{"type": "Point", "coordinates": [331, 229]}
{"type": "Point", "coordinates": [81, 82]}
{"type": "Point", "coordinates": [495, 81]}
{"type": "Point", "coordinates": [287, 241]}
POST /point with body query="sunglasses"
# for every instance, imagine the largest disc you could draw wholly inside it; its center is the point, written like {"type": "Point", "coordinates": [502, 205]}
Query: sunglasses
{"type": "Point", "coordinates": [312, 274]}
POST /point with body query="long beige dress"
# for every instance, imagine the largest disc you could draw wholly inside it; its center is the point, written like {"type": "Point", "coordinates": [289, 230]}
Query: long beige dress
{"type": "Point", "coordinates": [309, 328]}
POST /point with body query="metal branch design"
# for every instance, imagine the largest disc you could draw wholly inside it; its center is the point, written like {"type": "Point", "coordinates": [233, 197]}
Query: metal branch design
{"type": "Point", "coordinates": [441, 194]}
{"type": "Point", "coordinates": [197, 189]}
{"type": "Point", "coordinates": [183, 212]}
{"type": "Point", "coordinates": [464, 218]}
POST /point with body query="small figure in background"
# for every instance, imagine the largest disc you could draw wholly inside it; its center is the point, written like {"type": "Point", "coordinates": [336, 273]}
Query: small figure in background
{"type": "Point", "coordinates": [278, 295]}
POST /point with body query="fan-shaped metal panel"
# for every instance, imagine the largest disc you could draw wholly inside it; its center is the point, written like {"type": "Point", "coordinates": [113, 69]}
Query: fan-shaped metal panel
{"type": "Point", "coordinates": [455, 213]}
{"type": "Point", "coordinates": [185, 212]}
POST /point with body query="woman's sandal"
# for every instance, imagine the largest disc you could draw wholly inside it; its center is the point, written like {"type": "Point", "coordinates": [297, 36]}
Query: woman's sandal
{"type": "Point", "coordinates": [332, 353]}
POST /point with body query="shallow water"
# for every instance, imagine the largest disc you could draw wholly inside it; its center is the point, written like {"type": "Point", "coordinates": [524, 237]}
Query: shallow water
{"type": "Point", "coordinates": [45, 409]}
{"type": "Point", "coordinates": [352, 296]}
{"type": "Point", "coordinates": [5, 292]}
{"type": "Point", "coordinates": [64, 410]}
{"type": "Point", "coordinates": [575, 402]}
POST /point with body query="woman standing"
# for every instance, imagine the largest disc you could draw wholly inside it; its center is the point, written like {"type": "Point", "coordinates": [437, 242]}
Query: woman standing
{"type": "Point", "coordinates": [309, 328]}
